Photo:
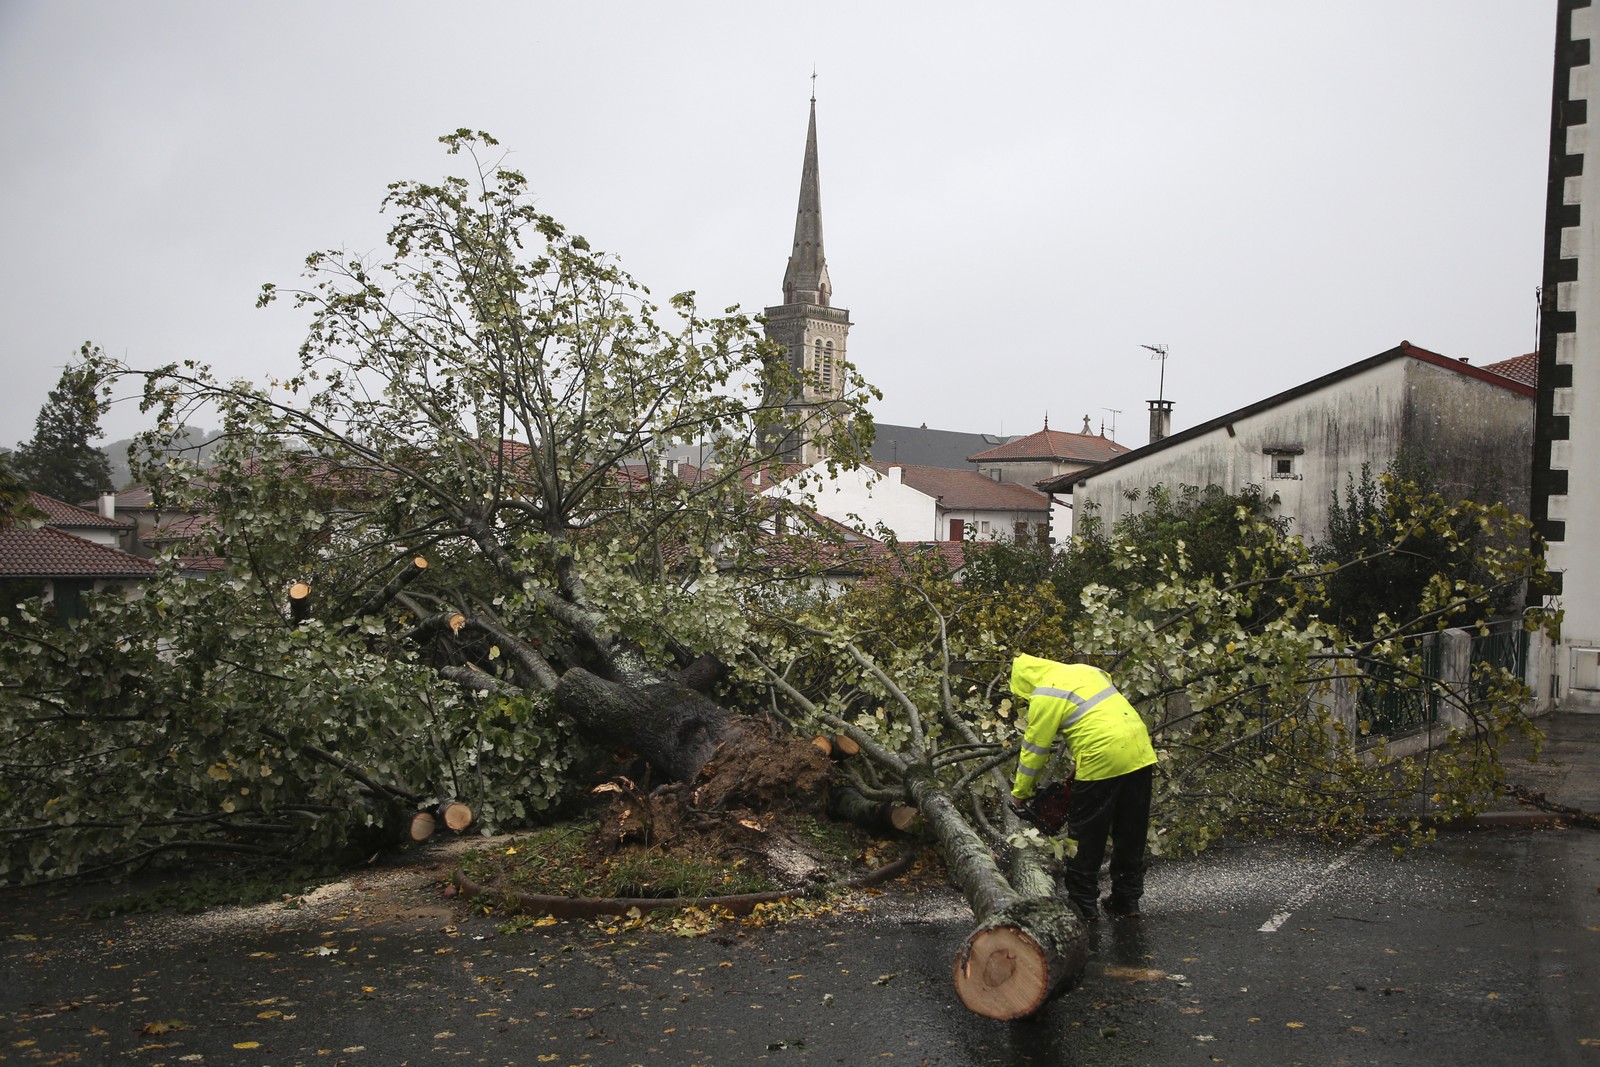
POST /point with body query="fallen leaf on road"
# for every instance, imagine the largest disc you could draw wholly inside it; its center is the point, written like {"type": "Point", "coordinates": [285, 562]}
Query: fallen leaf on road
{"type": "Point", "coordinates": [1135, 974]}
{"type": "Point", "coordinates": [165, 1027]}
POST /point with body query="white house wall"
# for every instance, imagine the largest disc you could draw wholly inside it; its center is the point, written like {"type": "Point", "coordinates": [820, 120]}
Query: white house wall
{"type": "Point", "coordinates": [1566, 472]}
{"type": "Point", "coordinates": [989, 525]}
{"type": "Point", "coordinates": [1356, 421]}
{"type": "Point", "coordinates": [862, 498]}
{"type": "Point", "coordinates": [1475, 436]}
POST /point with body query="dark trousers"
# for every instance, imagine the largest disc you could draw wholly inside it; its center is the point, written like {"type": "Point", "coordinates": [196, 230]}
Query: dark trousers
{"type": "Point", "coordinates": [1118, 808]}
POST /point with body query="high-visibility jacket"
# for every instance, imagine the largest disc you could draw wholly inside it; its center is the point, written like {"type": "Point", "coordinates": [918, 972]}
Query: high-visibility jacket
{"type": "Point", "coordinates": [1106, 735]}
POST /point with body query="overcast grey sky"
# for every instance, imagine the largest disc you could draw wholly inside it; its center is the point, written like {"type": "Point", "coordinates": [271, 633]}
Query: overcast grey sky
{"type": "Point", "coordinates": [1015, 197]}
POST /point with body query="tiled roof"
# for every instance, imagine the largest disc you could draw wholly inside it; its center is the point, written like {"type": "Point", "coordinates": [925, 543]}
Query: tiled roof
{"type": "Point", "coordinates": [136, 496]}
{"type": "Point", "coordinates": [1524, 369]}
{"type": "Point", "coordinates": [961, 490]}
{"type": "Point", "coordinates": [51, 553]}
{"type": "Point", "coordinates": [859, 557]}
{"type": "Point", "coordinates": [929, 448]}
{"type": "Point", "coordinates": [184, 529]}
{"type": "Point", "coordinates": [70, 516]}
{"type": "Point", "coordinates": [1054, 445]}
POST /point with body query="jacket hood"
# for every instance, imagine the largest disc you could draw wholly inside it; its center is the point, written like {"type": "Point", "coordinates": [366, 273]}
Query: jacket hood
{"type": "Point", "coordinates": [1028, 673]}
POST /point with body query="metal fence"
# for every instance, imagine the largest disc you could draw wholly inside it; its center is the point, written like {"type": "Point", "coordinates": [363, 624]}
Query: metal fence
{"type": "Point", "coordinates": [1390, 702]}
{"type": "Point", "coordinates": [1504, 646]}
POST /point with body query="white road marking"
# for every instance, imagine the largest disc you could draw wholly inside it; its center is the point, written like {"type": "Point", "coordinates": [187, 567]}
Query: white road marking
{"type": "Point", "coordinates": [1300, 899]}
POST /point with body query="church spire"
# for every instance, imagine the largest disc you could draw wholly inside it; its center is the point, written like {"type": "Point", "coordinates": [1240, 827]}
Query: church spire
{"type": "Point", "coordinates": [806, 279]}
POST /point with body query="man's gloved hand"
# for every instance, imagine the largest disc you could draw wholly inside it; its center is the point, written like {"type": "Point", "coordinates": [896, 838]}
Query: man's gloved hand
{"type": "Point", "coordinates": [1019, 807]}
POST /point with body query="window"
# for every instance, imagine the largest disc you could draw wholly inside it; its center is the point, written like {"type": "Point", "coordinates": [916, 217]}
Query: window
{"type": "Point", "coordinates": [825, 370]}
{"type": "Point", "coordinates": [1281, 460]}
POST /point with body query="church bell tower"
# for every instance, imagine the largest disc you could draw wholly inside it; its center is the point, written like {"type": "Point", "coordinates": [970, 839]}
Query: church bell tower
{"type": "Point", "coordinates": [811, 330]}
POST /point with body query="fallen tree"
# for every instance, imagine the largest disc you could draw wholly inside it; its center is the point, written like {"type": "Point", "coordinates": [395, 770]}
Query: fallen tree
{"type": "Point", "coordinates": [462, 563]}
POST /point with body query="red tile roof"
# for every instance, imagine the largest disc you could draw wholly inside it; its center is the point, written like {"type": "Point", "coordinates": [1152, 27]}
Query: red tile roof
{"type": "Point", "coordinates": [70, 516]}
{"type": "Point", "coordinates": [1053, 445]}
{"type": "Point", "coordinates": [862, 558]}
{"type": "Point", "coordinates": [961, 490]}
{"type": "Point", "coordinates": [1524, 369]}
{"type": "Point", "coordinates": [51, 553]}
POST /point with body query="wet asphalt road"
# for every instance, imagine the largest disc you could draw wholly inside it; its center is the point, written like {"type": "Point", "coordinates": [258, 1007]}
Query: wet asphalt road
{"type": "Point", "coordinates": [1483, 948]}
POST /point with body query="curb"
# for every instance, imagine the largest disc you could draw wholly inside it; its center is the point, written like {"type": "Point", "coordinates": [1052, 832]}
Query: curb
{"type": "Point", "coordinates": [594, 907]}
{"type": "Point", "coordinates": [1495, 820]}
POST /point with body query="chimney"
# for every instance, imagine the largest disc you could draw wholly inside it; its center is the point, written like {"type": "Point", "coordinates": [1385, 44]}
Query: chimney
{"type": "Point", "coordinates": [108, 505]}
{"type": "Point", "coordinates": [1160, 419]}
{"type": "Point", "coordinates": [896, 471]}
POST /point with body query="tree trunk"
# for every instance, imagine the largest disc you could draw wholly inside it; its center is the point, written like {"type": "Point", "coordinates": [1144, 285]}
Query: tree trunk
{"type": "Point", "coordinates": [1028, 946]}
{"type": "Point", "coordinates": [1018, 959]}
{"type": "Point", "coordinates": [673, 727]}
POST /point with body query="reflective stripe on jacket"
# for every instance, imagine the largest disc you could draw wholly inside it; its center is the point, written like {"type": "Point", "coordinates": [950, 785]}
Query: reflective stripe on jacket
{"type": "Point", "coordinates": [1104, 732]}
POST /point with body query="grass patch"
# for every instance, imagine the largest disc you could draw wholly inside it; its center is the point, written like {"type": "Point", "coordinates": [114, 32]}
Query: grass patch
{"type": "Point", "coordinates": [562, 861]}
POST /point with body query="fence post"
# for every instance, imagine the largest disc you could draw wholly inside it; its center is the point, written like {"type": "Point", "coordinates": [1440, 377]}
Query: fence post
{"type": "Point", "coordinates": [1455, 676]}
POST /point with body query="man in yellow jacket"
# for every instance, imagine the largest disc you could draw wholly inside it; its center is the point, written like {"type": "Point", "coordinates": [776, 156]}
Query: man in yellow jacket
{"type": "Point", "coordinates": [1111, 786]}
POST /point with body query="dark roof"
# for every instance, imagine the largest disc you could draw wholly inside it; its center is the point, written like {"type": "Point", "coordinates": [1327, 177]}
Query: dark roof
{"type": "Point", "coordinates": [186, 528]}
{"type": "Point", "coordinates": [1064, 483]}
{"type": "Point", "coordinates": [929, 448]}
{"type": "Point", "coordinates": [1048, 444]}
{"type": "Point", "coordinates": [71, 516]}
{"type": "Point", "coordinates": [963, 489]}
{"type": "Point", "coordinates": [1524, 369]}
{"type": "Point", "coordinates": [52, 553]}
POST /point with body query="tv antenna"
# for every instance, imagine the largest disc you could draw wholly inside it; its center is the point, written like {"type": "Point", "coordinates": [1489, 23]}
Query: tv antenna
{"type": "Point", "coordinates": [1161, 354]}
{"type": "Point", "coordinates": [1114, 413]}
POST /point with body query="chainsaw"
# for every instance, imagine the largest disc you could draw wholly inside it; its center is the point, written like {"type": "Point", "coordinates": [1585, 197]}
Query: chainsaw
{"type": "Point", "coordinates": [1047, 808]}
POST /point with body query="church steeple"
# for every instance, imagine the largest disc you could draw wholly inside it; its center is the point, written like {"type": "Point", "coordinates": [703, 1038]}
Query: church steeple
{"type": "Point", "coordinates": [805, 281]}
{"type": "Point", "coordinates": [811, 330]}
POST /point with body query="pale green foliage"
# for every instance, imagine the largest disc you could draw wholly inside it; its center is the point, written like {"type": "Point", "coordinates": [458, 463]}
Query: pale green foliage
{"type": "Point", "coordinates": [1237, 673]}
{"type": "Point", "coordinates": [188, 718]}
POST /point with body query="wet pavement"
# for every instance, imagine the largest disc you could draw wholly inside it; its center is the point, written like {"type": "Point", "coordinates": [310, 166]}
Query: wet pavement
{"type": "Point", "coordinates": [1481, 948]}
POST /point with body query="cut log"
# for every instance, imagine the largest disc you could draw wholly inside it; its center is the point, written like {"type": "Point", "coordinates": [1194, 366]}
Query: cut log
{"type": "Point", "coordinates": [846, 803]}
{"type": "Point", "coordinates": [823, 745]}
{"type": "Point", "coordinates": [456, 815]}
{"type": "Point", "coordinates": [299, 602]}
{"type": "Point", "coordinates": [1028, 945]}
{"type": "Point", "coordinates": [1017, 960]}
{"type": "Point", "coordinates": [422, 825]}
{"type": "Point", "coordinates": [845, 745]}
